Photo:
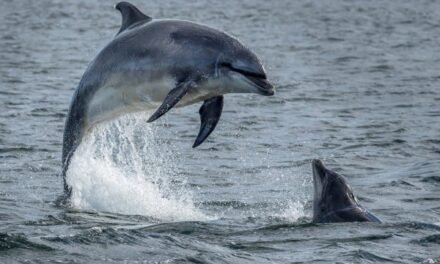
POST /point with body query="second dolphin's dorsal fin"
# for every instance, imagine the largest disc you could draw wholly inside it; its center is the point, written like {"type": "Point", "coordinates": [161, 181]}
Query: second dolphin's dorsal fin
{"type": "Point", "coordinates": [130, 15]}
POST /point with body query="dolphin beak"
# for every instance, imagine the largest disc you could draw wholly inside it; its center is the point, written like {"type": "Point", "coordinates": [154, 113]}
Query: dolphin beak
{"type": "Point", "coordinates": [263, 85]}
{"type": "Point", "coordinates": [318, 180]}
{"type": "Point", "coordinates": [318, 170]}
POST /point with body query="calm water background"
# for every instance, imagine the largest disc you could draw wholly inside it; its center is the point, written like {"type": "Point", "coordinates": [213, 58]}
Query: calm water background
{"type": "Point", "coordinates": [357, 86]}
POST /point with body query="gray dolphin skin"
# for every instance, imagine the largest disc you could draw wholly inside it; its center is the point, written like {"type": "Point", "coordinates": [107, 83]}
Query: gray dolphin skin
{"type": "Point", "coordinates": [334, 200]}
{"type": "Point", "coordinates": [158, 64]}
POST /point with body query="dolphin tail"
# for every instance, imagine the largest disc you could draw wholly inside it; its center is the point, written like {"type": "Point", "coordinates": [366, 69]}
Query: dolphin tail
{"type": "Point", "coordinates": [210, 113]}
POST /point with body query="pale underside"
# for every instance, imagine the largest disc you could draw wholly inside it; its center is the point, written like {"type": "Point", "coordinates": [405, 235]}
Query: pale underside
{"type": "Point", "coordinates": [122, 95]}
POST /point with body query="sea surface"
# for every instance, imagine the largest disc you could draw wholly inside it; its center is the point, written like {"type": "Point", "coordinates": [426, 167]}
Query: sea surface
{"type": "Point", "coordinates": [358, 86]}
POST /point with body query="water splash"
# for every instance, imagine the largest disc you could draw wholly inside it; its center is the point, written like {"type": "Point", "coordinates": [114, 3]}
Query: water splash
{"type": "Point", "coordinates": [122, 167]}
{"type": "Point", "coordinates": [296, 207]}
{"type": "Point", "coordinates": [294, 211]}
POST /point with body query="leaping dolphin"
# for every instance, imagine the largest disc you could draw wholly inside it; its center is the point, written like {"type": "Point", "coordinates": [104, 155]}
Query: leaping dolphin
{"type": "Point", "coordinates": [161, 64]}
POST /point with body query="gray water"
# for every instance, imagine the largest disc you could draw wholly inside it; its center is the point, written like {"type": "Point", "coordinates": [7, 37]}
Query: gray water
{"type": "Point", "coordinates": [357, 86]}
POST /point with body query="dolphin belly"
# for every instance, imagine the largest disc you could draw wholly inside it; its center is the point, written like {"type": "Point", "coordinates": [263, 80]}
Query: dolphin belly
{"type": "Point", "coordinates": [119, 96]}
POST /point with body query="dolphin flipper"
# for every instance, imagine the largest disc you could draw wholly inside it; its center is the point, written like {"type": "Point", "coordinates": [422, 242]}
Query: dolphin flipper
{"type": "Point", "coordinates": [130, 15]}
{"type": "Point", "coordinates": [172, 98]}
{"type": "Point", "coordinates": [210, 113]}
{"type": "Point", "coordinates": [371, 217]}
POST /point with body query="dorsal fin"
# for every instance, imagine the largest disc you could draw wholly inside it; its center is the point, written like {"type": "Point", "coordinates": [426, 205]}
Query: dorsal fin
{"type": "Point", "coordinates": [130, 15]}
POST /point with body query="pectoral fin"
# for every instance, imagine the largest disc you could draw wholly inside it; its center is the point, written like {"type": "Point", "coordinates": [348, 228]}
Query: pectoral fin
{"type": "Point", "coordinates": [172, 98]}
{"type": "Point", "coordinates": [210, 113]}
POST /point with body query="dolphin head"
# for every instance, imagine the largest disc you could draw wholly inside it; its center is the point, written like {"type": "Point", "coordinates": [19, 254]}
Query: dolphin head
{"type": "Point", "coordinates": [334, 200]}
{"type": "Point", "coordinates": [243, 72]}
{"type": "Point", "coordinates": [227, 64]}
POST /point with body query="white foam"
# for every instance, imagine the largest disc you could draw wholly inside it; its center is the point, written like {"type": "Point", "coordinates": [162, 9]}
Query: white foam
{"type": "Point", "coordinates": [121, 167]}
{"type": "Point", "coordinates": [295, 208]}
{"type": "Point", "coordinates": [294, 211]}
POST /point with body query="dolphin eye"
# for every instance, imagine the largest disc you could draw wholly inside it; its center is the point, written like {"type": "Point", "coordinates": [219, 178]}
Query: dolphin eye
{"type": "Point", "coordinates": [352, 196]}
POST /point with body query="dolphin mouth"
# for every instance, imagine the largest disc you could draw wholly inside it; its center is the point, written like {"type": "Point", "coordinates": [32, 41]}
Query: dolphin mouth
{"type": "Point", "coordinates": [263, 86]}
{"type": "Point", "coordinates": [258, 79]}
